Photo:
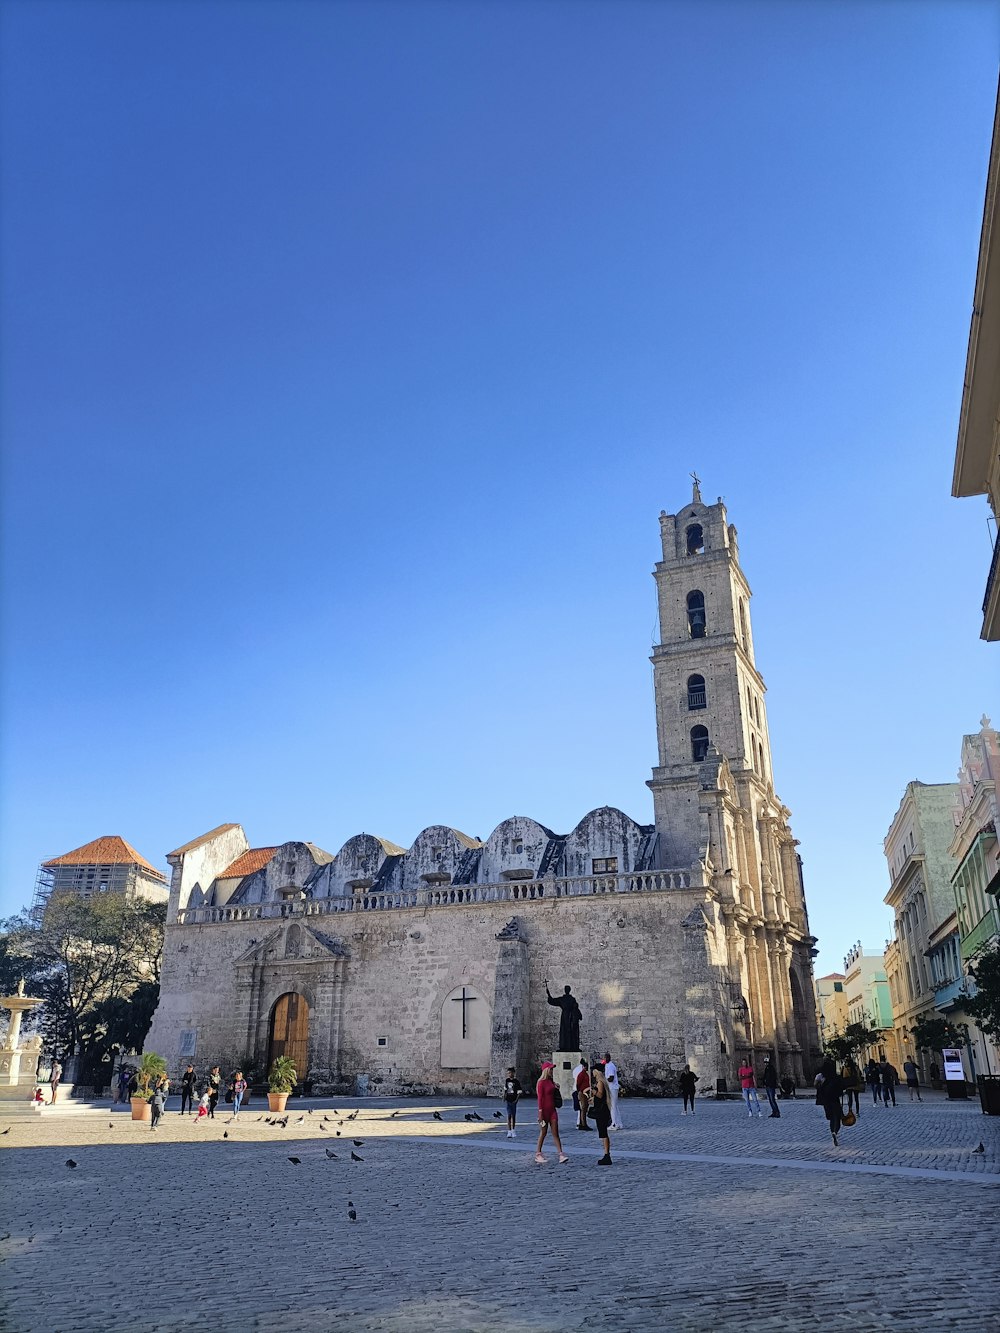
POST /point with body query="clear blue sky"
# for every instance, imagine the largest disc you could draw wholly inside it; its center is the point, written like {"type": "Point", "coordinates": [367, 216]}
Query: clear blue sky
{"type": "Point", "coordinates": [350, 352]}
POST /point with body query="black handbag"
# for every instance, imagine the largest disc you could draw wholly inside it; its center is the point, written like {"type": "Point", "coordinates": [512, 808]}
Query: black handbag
{"type": "Point", "coordinates": [557, 1099]}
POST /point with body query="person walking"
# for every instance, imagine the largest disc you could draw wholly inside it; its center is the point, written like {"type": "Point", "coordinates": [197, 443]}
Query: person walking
{"type": "Point", "coordinates": [829, 1091]}
{"type": "Point", "coordinates": [157, 1103]}
{"type": "Point", "coordinates": [769, 1082]}
{"type": "Point", "coordinates": [889, 1075]}
{"type": "Point", "coordinates": [687, 1082]}
{"type": "Point", "coordinates": [583, 1095]}
{"type": "Point", "coordinates": [214, 1084]}
{"type": "Point", "coordinates": [912, 1079]}
{"type": "Point", "coordinates": [511, 1091]}
{"type": "Point", "coordinates": [852, 1085]}
{"type": "Point", "coordinates": [188, 1080]}
{"type": "Point", "coordinates": [600, 1109]}
{"type": "Point", "coordinates": [549, 1100]}
{"type": "Point", "coordinates": [611, 1078]}
{"type": "Point", "coordinates": [873, 1078]}
{"type": "Point", "coordinates": [55, 1078]}
{"type": "Point", "coordinates": [748, 1083]}
{"type": "Point", "coordinates": [239, 1091]}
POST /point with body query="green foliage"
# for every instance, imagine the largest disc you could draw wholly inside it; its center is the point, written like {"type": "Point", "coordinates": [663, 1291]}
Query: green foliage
{"type": "Point", "coordinates": [855, 1039]}
{"type": "Point", "coordinates": [96, 964]}
{"type": "Point", "coordinates": [934, 1034]}
{"type": "Point", "coordinates": [283, 1075]}
{"type": "Point", "coordinates": [151, 1068]}
{"type": "Point", "coordinates": [984, 1007]}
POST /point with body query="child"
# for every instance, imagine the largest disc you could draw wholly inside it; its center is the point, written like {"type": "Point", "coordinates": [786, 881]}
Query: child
{"type": "Point", "coordinates": [511, 1091]}
{"type": "Point", "coordinates": [157, 1104]}
{"type": "Point", "coordinates": [203, 1102]}
{"type": "Point", "coordinates": [37, 1101]}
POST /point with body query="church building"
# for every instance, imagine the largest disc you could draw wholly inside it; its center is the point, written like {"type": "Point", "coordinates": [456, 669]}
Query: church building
{"type": "Point", "coordinates": [423, 969]}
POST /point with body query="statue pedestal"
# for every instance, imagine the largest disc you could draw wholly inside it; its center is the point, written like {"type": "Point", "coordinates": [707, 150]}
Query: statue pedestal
{"type": "Point", "coordinates": [565, 1062]}
{"type": "Point", "coordinates": [10, 1067]}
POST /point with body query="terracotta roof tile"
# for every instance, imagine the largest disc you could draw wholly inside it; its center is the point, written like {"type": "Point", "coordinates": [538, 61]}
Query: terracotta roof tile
{"type": "Point", "coordinates": [107, 851]}
{"type": "Point", "coordinates": [246, 864]}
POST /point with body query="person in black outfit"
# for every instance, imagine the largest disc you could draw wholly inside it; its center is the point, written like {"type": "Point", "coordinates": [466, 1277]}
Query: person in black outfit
{"type": "Point", "coordinates": [687, 1080]}
{"type": "Point", "coordinates": [188, 1080]}
{"type": "Point", "coordinates": [829, 1091]}
{"type": "Point", "coordinates": [214, 1084]}
{"type": "Point", "coordinates": [769, 1082]}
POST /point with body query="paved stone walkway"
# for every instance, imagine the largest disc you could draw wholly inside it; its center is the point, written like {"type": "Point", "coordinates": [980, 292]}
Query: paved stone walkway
{"type": "Point", "coordinates": [704, 1223]}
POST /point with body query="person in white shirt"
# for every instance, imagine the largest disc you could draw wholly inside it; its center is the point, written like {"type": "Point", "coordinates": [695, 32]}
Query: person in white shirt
{"type": "Point", "coordinates": [611, 1076]}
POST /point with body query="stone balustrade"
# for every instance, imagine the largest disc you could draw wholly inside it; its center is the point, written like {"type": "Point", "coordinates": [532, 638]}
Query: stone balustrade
{"type": "Point", "coordinates": [446, 895]}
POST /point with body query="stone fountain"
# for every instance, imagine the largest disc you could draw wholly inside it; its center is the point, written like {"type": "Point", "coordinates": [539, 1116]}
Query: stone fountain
{"type": "Point", "coordinates": [13, 1074]}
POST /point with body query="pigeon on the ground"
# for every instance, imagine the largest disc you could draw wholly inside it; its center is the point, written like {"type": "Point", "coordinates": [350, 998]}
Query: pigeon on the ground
{"type": "Point", "coordinates": [981, 1148]}
{"type": "Point", "coordinates": [308, 1111]}
{"type": "Point", "coordinates": [438, 1115]}
{"type": "Point", "coordinates": [355, 1157]}
{"type": "Point", "coordinates": [498, 1115]}
{"type": "Point", "coordinates": [7, 1130]}
{"type": "Point", "coordinates": [295, 1161]}
{"type": "Point", "coordinates": [70, 1163]}
{"type": "Point", "coordinates": [259, 1119]}
{"type": "Point", "coordinates": [225, 1133]}
{"type": "Point", "coordinates": [323, 1128]}
{"type": "Point", "coordinates": [475, 1116]}
{"type": "Point", "coordinates": [300, 1120]}
{"type": "Point", "coordinates": [467, 1116]}
{"type": "Point", "coordinates": [337, 1132]}
{"type": "Point", "coordinates": [111, 1125]}
{"type": "Point", "coordinates": [351, 1213]}
{"type": "Point", "coordinates": [332, 1156]}
{"type": "Point", "coordinates": [358, 1143]}
{"type": "Point", "coordinates": [353, 1115]}
{"type": "Point", "coordinates": [394, 1114]}
{"type": "Point", "coordinates": [326, 1117]}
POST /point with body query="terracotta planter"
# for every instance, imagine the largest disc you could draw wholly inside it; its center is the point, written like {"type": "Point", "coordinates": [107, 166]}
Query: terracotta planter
{"type": "Point", "coordinates": [276, 1100]}
{"type": "Point", "coordinates": [141, 1109]}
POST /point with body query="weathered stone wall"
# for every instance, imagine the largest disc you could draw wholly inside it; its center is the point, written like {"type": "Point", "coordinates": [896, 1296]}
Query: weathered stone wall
{"type": "Point", "coordinates": [623, 955]}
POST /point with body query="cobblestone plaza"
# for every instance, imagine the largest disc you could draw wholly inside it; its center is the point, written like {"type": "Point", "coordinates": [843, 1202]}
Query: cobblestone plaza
{"type": "Point", "coordinates": [711, 1221]}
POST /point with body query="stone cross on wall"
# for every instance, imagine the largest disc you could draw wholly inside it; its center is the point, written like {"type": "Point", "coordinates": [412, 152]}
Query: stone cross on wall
{"type": "Point", "coordinates": [464, 1000]}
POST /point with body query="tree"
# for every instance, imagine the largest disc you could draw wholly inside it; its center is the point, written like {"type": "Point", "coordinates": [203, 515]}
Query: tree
{"type": "Point", "coordinates": [854, 1039]}
{"type": "Point", "coordinates": [96, 964]}
{"type": "Point", "coordinates": [934, 1034]}
{"type": "Point", "coordinates": [984, 1007]}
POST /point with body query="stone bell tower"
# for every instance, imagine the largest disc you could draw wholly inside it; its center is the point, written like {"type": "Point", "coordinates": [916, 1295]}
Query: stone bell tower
{"type": "Point", "coordinates": [713, 790]}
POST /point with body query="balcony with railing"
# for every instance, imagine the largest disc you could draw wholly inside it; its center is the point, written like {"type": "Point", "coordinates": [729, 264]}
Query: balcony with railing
{"type": "Point", "coordinates": [980, 934]}
{"type": "Point", "coordinates": [991, 602]}
{"type": "Point", "coordinates": [446, 895]}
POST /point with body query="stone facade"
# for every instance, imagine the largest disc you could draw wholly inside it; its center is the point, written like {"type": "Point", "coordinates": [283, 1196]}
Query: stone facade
{"type": "Point", "coordinates": [685, 940]}
{"type": "Point", "coordinates": [921, 897]}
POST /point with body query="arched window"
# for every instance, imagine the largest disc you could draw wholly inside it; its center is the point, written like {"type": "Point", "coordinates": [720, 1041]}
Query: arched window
{"type": "Point", "coordinates": [696, 693]}
{"type": "Point", "coordinates": [699, 743]}
{"type": "Point", "coordinates": [696, 614]}
{"type": "Point", "coordinates": [695, 540]}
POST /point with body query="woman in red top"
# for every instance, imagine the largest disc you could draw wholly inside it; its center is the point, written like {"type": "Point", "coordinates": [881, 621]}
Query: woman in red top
{"type": "Point", "coordinates": [548, 1114]}
{"type": "Point", "coordinates": [749, 1085]}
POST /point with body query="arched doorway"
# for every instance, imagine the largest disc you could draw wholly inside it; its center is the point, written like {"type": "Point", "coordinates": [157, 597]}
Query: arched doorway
{"type": "Point", "coordinates": [289, 1032]}
{"type": "Point", "coordinates": [800, 1020]}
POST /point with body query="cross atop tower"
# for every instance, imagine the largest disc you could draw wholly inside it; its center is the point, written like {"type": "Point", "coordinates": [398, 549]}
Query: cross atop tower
{"type": "Point", "coordinates": [696, 492]}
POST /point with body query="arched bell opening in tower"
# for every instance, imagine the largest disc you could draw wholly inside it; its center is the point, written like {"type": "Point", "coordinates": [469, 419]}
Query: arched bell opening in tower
{"type": "Point", "coordinates": [696, 614]}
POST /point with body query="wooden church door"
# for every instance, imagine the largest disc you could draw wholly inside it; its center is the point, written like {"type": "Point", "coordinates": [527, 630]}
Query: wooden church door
{"type": "Point", "coordinates": [290, 1032]}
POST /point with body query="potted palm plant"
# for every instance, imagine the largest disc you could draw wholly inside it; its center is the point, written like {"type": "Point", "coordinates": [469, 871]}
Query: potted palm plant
{"type": "Point", "coordinates": [280, 1082]}
{"type": "Point", "coordinates": [151, 1067]}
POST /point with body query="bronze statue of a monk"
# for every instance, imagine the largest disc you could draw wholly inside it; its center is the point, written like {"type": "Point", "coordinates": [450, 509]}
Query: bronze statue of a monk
{"type": "Point", "coordinates": [569, 1023]}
